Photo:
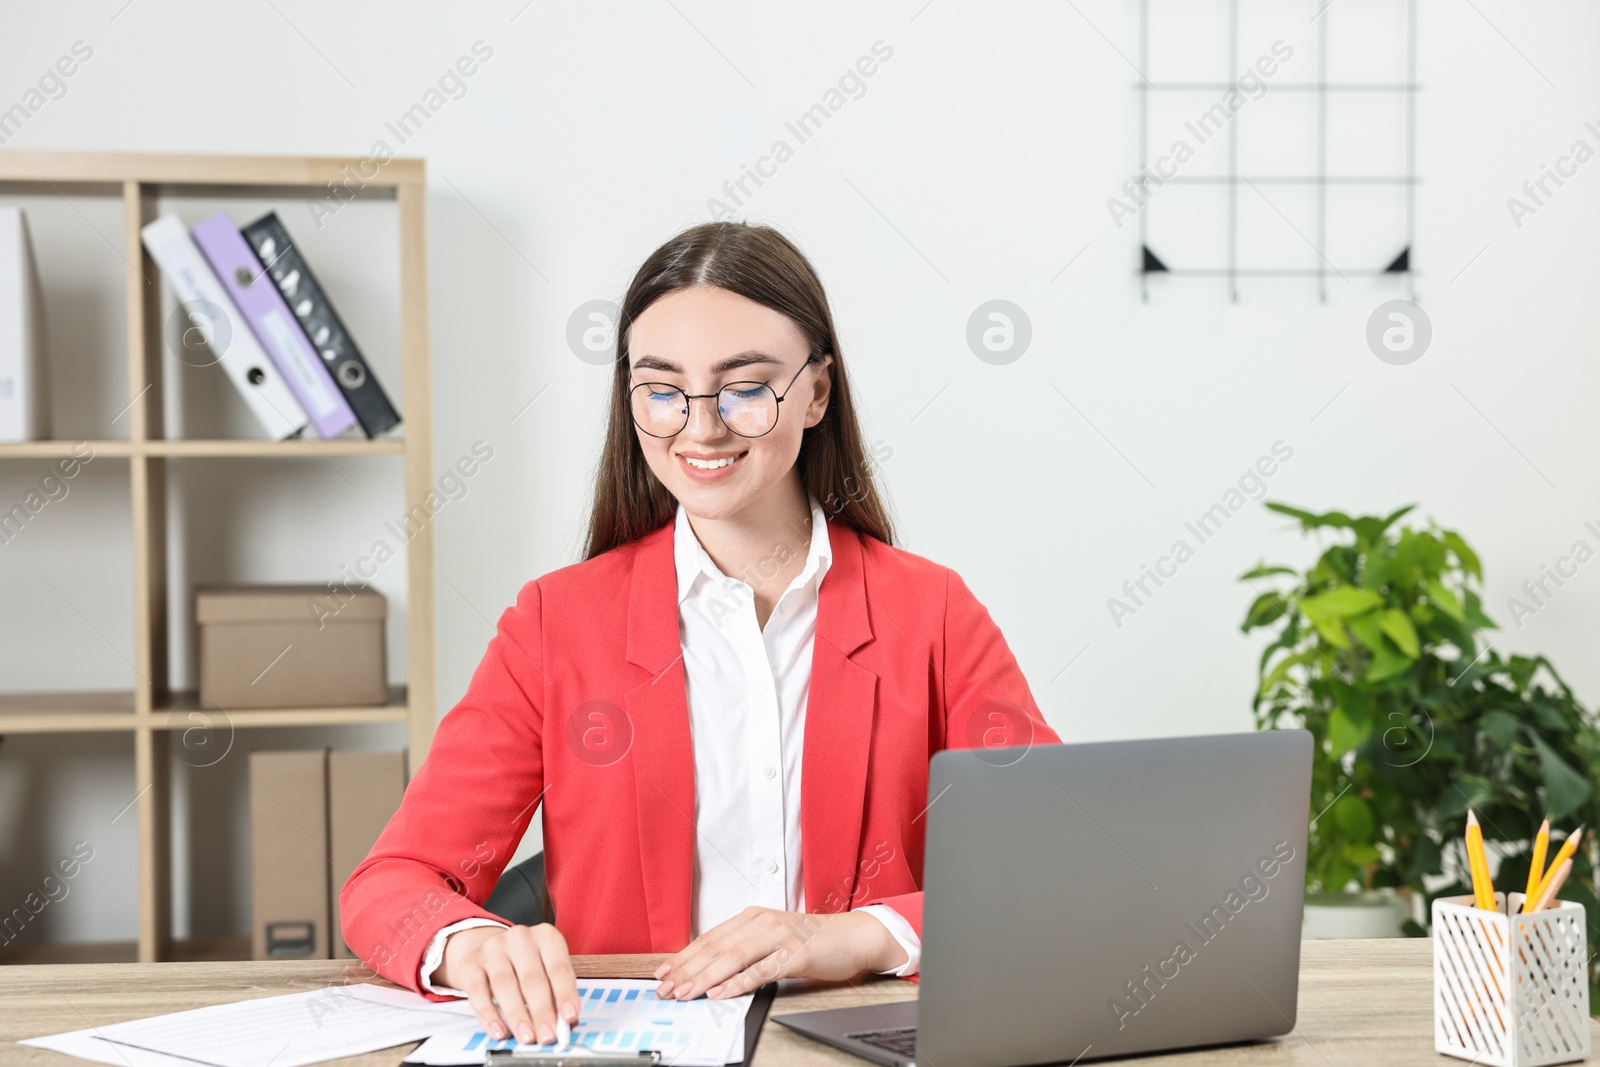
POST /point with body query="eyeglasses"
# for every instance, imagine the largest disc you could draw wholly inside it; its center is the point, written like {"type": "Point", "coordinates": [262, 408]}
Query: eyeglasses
{"type": "Point", "coordinates": [749, 409]}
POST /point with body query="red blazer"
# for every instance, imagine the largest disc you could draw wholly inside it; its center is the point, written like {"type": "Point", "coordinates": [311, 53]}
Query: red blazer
{"type": "Point", "coordinates": [579, 705]}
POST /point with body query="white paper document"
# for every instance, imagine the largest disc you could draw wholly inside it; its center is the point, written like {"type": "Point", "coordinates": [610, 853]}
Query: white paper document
{"type": "Point", "coordinates": [619, 1015]}
{"type": "Point", "coordinates": [286, 1031]}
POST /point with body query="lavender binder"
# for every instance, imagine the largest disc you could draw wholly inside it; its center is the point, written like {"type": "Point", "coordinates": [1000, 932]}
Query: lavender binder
{"type": "Point", "coordinates": [274, 324]}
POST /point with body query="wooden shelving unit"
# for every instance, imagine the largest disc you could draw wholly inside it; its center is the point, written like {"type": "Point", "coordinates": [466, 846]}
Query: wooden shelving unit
{"type": "Point", "coordinates": [152, 709]}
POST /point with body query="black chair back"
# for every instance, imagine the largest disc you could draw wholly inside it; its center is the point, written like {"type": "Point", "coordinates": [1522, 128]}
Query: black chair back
{"type": "Point", "coordinates": [521, 895]}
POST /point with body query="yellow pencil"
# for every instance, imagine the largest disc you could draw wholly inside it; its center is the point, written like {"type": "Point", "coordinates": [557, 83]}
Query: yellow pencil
{"type": "Point", "coordinates": [1547, 896]}
{"type": "Point", "coordinates": [1541, 843]}
{"type": "Point", "coordinates": [1564, 853]}
{"type": "Point", "coordinates": [1478, 864]}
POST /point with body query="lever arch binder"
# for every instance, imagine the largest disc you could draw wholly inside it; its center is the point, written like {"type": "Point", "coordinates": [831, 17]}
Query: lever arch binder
{"type": "Point", "coordinates": [211, 310]}
{"type": "Point", "coordinates": [274, 324]}
{"type": "Point", "coordinates": [321, 323]}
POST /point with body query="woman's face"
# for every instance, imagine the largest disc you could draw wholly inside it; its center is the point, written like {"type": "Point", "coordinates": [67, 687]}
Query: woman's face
{"type": "Point", "coordinates": [699, 340]}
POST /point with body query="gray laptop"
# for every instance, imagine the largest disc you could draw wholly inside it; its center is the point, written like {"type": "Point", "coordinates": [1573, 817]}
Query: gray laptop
{"type": "Point", "coordinates": [1098, 900]}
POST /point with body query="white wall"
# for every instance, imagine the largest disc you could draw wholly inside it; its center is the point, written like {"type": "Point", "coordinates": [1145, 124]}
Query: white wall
{"type": "Point", "coordinates": [975, 166]}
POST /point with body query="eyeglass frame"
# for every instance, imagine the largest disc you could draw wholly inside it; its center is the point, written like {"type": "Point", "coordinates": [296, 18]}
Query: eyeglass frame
{"type": "Point", "coordinates": [688, 410]}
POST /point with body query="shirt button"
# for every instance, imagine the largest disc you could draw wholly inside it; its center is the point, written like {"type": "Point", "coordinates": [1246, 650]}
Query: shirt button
{"type": "Point", "coordinates": [769, 772]}
{"type": "Point", "coordinates": [772, 866]}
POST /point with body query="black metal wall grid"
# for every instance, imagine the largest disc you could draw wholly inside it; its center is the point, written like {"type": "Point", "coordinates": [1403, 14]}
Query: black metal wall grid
{"type": "Point", "coordinates": [1397, 264]}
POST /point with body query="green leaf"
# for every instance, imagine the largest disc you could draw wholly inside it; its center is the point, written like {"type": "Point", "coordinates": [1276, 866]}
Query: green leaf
{"type": "Point", "coordinates": [1376, 572]}
{"type": "Point", "coordinates": [1501, 727]}
{"type": "Point", "coordinates": [1361, 855]}
{"type": "Point", "coordinates": [1466, 791]}
{"type": "Point", "coordinates": [1340, 603]}
{"type": "Point", "coordinates": [1425, 858]}
{"type": "Point", "coordinates": [1280, 670]}
{"type": "Point", "coordinates": [1268, 607]}
{"type": "Point", "coordinates": [1565, 790]}
{"type": "Point", "coordinates": [1469, 559]}
{"type": "Point", "coordinates": [1332, 631]}
{"type": "Point", "coordinates": [1339, 874]}
{"type": "Point", "coordinates": [1395, 514]}
{"type": "Point", "coordinates": [1475, 616]}
{"type": "Point", "coordinates": [1348, 726]}
{"type": "Point", "coordinates": [1354, 819]}
{"type": "Point", "coordinates": [1397, 624]}
{"type": "Point", "coordinates": [1308, 520]}
{"type": "Point", "coordinates": [1370, 528]}
{"type": "Point", "coordinates": [1521, 669]}
{"type": "Point", "coordinates": [1548, 717]}
{"type": "Point", "coordinates": [1386, 664]}
{"type": "Point", "coordinates": [1367, 630]}
{"type": "Point", "coordinates": [1446, 601]}
{"type": "Point", "coordinates": [1262, 570]}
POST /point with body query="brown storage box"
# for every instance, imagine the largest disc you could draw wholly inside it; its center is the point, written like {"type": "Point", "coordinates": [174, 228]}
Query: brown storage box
{"type": "Point", "coordinates": [288, 850]}
{"type": "Point", "coordinates": [364, 790]}
{"type": "Point", "coordinates": [290, 646]}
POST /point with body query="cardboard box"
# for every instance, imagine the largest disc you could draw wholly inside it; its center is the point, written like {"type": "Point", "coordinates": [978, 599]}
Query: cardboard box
{"type": "Point", "coordinates": [290, 646]}
{"type": "Point", "coordinates": [364, 790]}
{"type": "Point", "coordinates": [288, 855]}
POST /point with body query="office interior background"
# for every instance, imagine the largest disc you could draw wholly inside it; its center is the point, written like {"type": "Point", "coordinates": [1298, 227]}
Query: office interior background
{"type": "Point", "coordinates": [992, 153]}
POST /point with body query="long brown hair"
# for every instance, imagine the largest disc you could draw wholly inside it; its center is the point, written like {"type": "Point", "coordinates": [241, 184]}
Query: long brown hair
{"type": "Point", "coordinates": [760, 264]}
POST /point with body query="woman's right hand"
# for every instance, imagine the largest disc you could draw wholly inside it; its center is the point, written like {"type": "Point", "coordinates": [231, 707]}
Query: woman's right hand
{"type": "Point", "coordinates": [526, 969]}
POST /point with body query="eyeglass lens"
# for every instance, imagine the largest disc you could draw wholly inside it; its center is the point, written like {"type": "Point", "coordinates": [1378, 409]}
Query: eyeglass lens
{"type": "Point", "coordinates": [749, 409]}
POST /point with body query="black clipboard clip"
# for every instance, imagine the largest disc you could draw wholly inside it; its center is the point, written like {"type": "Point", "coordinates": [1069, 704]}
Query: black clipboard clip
{"type": "Point", "coordinates": [510, 1057]}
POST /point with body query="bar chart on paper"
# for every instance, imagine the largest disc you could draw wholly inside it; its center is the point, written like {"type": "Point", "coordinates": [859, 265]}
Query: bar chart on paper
{"type": "Point", "coordinates": [621, 1015]}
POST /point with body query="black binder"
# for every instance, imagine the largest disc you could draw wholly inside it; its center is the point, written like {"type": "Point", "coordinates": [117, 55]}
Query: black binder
{"type": "Point", "coordinates": [321, 323]}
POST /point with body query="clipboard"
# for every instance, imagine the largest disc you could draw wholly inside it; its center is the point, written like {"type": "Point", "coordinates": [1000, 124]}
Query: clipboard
{"type": "Point", "coordinates": [754, 1019]}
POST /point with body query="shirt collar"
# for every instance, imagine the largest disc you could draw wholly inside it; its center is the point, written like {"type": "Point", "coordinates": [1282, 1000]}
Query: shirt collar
{"type": "Point", "coordinates": [693, 562]}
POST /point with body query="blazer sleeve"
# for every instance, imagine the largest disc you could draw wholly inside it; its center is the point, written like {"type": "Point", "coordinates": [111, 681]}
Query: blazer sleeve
{"type": "Point", "coordinates": [464, 811]}
{"type": "Point", "coordinates": [983, 697]}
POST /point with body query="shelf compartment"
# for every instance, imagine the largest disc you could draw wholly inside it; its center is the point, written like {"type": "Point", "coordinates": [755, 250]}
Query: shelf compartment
{"type": "Point", "coordinates": [62, 449]}
{"type": "Point", "coordinates": [179, 702]}
{"type": "Point", "coordinates": [382, 446]}
{"type": "Point", "coordinates": [66, 712]}
{"type": "Point", "coordinates": [240, 173]}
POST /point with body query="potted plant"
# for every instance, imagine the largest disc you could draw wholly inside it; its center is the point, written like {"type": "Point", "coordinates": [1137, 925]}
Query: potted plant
{"type": "Point", "coordinates": [1376, 651]}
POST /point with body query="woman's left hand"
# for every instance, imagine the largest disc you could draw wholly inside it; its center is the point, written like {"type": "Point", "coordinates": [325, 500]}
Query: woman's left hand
{"type": "Point", "coordinates": [761, 945]}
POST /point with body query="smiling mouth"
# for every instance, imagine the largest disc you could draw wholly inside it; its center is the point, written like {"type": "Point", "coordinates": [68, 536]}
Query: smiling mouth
{"type": "Point", "coordinates": [712, 464]}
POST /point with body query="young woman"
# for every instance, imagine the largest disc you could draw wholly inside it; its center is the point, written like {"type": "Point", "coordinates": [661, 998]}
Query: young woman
{"type": "Point", "coordinates": [726, 711]}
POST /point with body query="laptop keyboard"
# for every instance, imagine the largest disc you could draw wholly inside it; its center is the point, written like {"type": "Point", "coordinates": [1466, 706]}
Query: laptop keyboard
{"type": "Point", "coordinates": [902, 1041]}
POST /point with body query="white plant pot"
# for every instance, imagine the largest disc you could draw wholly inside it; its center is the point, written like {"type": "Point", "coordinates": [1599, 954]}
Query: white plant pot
{"type": "Point", "coordinates": [1368, 913]}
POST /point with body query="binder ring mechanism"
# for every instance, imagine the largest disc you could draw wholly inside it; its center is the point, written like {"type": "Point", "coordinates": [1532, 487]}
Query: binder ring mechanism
{"type": "Point", "coordinates": [1510, 989]}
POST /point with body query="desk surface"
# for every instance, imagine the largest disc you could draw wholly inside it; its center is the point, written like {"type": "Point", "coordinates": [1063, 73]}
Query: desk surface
{"type": "Point", "coordinates": [1361, 1002]}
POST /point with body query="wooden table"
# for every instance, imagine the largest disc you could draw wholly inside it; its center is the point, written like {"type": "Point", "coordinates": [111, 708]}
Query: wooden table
{"type": "Point", "coordinates": [1361, 1002]}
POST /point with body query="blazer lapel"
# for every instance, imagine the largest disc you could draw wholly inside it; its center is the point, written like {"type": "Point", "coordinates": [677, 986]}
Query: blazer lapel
{"type": "Point", "coordinates": [662, 753]}
{"type": "Point", "coordinates": [838, 730]}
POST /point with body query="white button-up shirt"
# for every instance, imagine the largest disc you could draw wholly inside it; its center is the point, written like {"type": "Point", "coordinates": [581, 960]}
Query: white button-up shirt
{"type": "Point", "coordinates": [747, 688]}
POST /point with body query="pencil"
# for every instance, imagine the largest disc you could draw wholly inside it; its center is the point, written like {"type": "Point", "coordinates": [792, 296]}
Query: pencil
{"type": "Point", "coordinates": [1541, 843]}
{"type": "Point", "coordinates": [1557, 877]}
{"type": "Point", "coordinates": [1478, 864]}
{"type": "Point", "coordinates": [1564, 853]}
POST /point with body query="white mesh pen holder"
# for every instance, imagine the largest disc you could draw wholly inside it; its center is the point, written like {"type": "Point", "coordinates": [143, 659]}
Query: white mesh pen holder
{"type": "Point", "coordinates": [1510, 990]}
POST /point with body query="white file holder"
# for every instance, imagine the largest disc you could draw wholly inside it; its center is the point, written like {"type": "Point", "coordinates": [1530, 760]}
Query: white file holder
{"type": "Point", "coordinates": [1510, 990]}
